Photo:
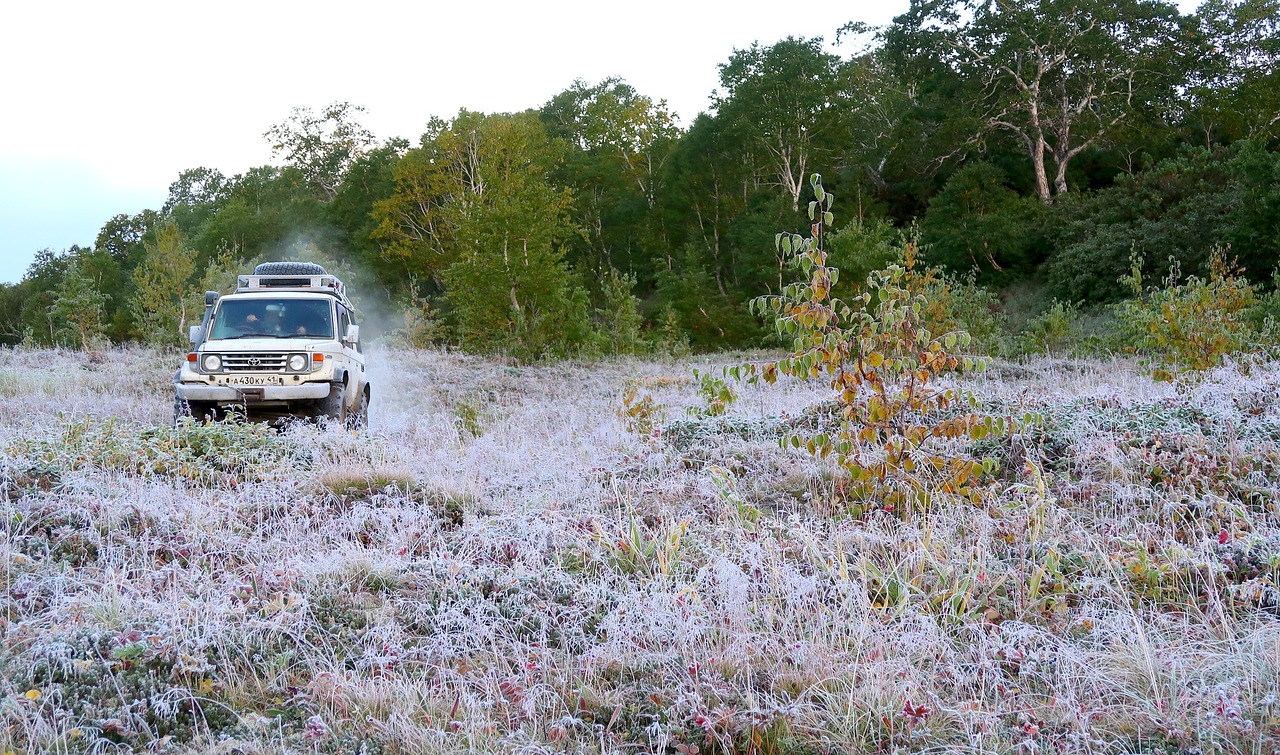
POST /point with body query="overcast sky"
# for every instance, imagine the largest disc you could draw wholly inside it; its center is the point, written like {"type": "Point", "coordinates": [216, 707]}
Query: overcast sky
{"type": "Point", "coordinates": [106, 102]}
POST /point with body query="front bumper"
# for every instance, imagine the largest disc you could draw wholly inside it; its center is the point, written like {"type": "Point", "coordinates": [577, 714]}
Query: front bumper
{"type": "Point", "coordinates": [252, 394]}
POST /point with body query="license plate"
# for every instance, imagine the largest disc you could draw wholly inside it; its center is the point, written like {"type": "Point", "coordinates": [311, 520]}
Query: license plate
{"type": "Point", "coordinates": [252, 380]}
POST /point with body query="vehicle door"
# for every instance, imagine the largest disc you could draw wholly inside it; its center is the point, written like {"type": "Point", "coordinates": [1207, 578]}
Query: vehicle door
{"type": "Point", "coordinates": [352, 352]}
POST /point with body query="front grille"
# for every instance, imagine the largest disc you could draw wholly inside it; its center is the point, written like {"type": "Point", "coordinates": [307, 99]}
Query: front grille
{"type": "Point", "coordinates": [254, 362]}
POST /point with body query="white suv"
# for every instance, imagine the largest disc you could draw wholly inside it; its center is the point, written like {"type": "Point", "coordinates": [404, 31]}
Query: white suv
{"type": "Point", "coordinates": [285, 344]}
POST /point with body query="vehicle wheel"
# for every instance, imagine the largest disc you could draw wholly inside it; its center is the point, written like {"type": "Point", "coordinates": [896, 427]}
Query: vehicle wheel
{"type": "Point", "coordinates": [334, 406]}
{"type": "Point", "coordinates": [358, 419]}
{"type": "Point", "coordinates": [289, 268]}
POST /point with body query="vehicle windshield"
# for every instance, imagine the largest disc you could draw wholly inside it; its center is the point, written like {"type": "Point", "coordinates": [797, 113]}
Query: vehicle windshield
{"type": "Point", "coordinates": [272, 318]}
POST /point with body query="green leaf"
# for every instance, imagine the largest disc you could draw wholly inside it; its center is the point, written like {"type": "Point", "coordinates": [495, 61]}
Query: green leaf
{"type": "Point", "coordinates": [828, 218]}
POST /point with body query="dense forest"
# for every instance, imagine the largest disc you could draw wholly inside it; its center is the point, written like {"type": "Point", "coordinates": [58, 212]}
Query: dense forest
{"type": "Point", "coordinates": [1045, 157]}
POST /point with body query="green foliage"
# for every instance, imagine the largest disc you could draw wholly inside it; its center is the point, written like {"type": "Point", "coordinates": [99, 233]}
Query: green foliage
{"type": "Point", "coordinates": [474, 211]}
{"type": "Point", "coordinates": [618, 321]}
{"type": "Point", "coordinates": [709, 315]}
{"type": "Point", "coordinates": [884, 364]}
{"type": "Point", "coordinates": [1057, 78]}
{"type": "Point", "coordinates": [1054, 331]}
{"type": "Point", "coordinates": [78, 307]}
{"type": "Point", "coordinates": [1188, 326]}
{"type": "Point", "coordinates": [1236, 54]}
{"type": "Point", "coordinates": [162, 303]}
{"type": "Point", "coordinates": [859, 249]}
{"type": "Point", "coordinates": [422, 325]}
{"type": "Point", "coordinates": [617, 146]}
{"type": "Point", "coordinates": [957, 303]}
{"type": "Point", "coordinates": [671, 338]}
{"type": "Point", "coordinates": [977, 223]}
{"type": "Point", "coordinates": [955, 119]}
{"type": "Point", "coordinates": [1264, 318]}
{"type": "Point", "coordinates": [782, 102]}
{"type": "Point", "coordinates": [213, 454]}
{"type": "Point", "coordinates": [715, 392]}
{"type": "Point", "coordinates": [321, 146]}
{"type": "Point", "coordinates": [1180, 211]}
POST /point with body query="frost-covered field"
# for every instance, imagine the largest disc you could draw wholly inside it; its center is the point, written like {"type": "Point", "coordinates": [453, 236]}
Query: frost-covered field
{"type": "Point", "coordinates": [499, 565]}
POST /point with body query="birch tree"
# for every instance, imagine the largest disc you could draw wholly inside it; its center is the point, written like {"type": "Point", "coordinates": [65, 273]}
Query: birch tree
{"type": "Point", "coordinates": [1059, 75]}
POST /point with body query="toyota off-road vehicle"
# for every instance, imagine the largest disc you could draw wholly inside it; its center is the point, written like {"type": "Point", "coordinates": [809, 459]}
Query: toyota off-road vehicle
{"type": "Point", "coordinates": [285, 344]}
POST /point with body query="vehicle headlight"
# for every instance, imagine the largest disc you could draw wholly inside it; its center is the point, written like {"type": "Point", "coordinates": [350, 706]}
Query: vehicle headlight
{"type": "Point", "coordinates": [297, 362]}
{"type": "Point", "coordinates": [211, 363]}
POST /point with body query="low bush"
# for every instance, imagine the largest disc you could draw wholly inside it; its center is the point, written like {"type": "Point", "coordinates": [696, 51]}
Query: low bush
{"type": "Point", "coordinates": [1189, 326]}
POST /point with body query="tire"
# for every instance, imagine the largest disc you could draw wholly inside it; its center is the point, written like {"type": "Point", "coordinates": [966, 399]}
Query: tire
{"type": "Point", "coordinates": [334, 406]}
{"type": "Point", "coordinates": [359, 419]}
{"type": "Point", "coordinates": [289, 268]}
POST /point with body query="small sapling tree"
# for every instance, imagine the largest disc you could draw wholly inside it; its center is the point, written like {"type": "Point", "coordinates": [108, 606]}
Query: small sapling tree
{"type": "Point", "coordinates": [1189, 326]}
{"type": "Point", "coordinates": [898, 429]}
{"type": "Point", "coordinates": [78, 306]}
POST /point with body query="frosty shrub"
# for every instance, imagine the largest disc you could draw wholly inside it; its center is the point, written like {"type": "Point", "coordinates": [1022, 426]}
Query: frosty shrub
{"type": "Point", "coordinates": [895, 422]}
{"type": "Point", "coordinates": [208, 454]}
{"type": "Point", "coordinates": [1189, 326]}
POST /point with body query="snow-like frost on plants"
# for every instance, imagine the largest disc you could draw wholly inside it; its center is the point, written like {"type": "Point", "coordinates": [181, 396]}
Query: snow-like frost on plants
{"type": "Point", "coordinates": [497, 564]}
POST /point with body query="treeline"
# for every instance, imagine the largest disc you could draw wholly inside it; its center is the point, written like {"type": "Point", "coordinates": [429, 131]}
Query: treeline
{"type": "Point", "coordinates": [1038, 154]}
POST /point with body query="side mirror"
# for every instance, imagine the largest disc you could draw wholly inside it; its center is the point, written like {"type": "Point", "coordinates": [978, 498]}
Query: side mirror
{"type": "Point", "coordinates": [353, 335]}
{"type": "Point", "coordinates": [196, 334]}
{"type": "Point", "coordinates": [210, 297]}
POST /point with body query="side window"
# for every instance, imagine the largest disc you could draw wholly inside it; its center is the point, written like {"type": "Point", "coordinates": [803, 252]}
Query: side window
{"type": "Point", "coordinates": [344, 320]}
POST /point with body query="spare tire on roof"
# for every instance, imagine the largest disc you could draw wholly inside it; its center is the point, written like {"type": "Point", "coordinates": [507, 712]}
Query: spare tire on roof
{"type": "Point", "coordinates": [289, 268]}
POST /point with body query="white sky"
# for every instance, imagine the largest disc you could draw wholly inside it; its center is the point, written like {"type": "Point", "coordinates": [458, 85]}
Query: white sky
{"type": "Point", "coordinates": [104, 103]}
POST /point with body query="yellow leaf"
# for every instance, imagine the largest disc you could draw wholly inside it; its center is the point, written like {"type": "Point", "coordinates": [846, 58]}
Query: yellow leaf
{"type": "Point", "coordinates": [32, 694]}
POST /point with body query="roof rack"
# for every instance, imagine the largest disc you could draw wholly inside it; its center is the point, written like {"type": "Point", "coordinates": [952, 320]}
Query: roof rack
{"type": "Point", "coordinates": [322, 284]}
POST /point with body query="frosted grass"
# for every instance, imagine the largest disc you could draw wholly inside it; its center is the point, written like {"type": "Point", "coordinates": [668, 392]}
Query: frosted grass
{"type": "Point", "coordinates": [498, 565]}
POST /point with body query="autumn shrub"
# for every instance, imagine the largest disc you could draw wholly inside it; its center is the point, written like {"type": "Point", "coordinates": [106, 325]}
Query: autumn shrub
{"type": "Point", "coordinates": [717, 395]}
{"type": "Point", "coordinates": [952, 301]}
{"type": "Point", "coordinates": [1189, 326]}
{"type": "Point", "coordinates": [640, 413]}
{"type": "Point", "coordinates": [896, 424]}
{"type": "Point", "coordinates": [956, 303]}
